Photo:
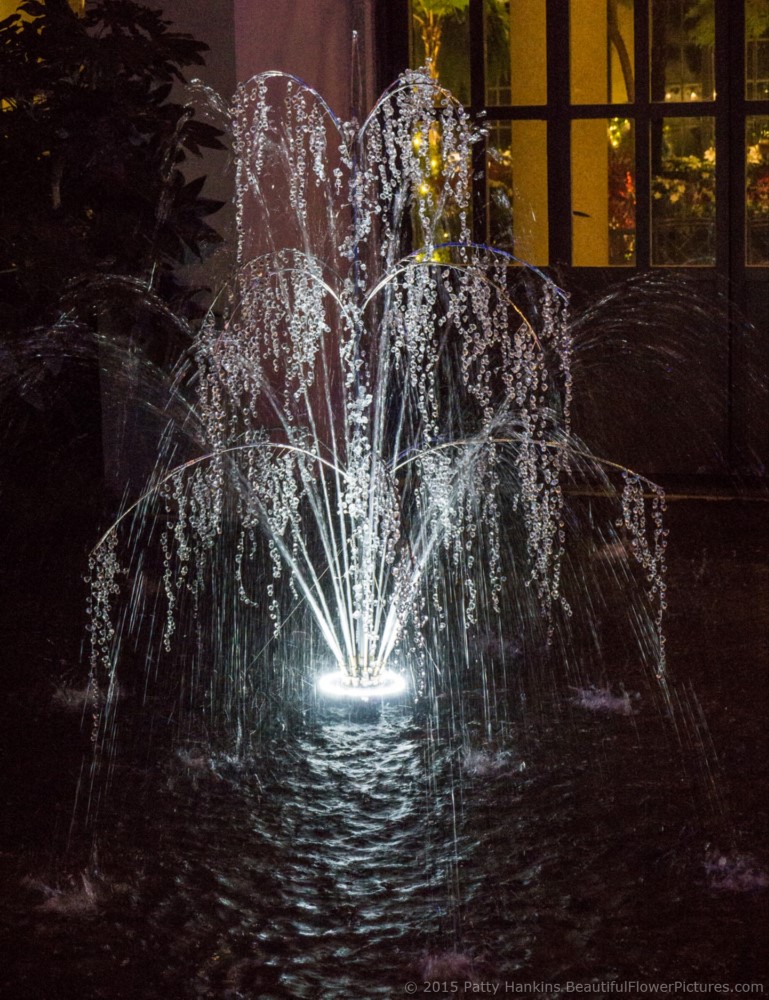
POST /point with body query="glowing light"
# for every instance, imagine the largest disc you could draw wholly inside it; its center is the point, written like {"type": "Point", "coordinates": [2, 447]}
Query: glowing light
{"type": "Point", "coordinates": [387, 685]}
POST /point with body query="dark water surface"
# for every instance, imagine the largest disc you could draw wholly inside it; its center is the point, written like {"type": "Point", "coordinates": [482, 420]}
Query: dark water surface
{"type": "Point", "coordinates": [355, 853]}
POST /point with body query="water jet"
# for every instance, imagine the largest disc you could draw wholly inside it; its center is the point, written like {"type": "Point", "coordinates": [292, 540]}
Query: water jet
{"type": "Point", "coordinates": [376, 440]}
{"type": "Point", "coordinates": [371, 467]}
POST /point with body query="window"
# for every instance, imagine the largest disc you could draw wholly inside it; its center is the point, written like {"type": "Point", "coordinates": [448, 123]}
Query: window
{"type": "Point", "coordinates": [625, 136]}
{"type": "Point", "coordinates": [621, 133]}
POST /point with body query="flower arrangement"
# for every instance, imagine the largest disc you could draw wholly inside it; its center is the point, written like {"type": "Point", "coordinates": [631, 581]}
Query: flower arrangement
{"type": "Point", "coordinates": [757, 179]}
{"type": "Point", "coordinates": [622, 191]}
{"type": "Point", "coordinates": [685, 188]}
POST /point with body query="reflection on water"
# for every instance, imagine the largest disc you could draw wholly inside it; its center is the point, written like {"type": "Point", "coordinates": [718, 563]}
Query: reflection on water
{"type": "Point", "coordinates": [362, 854]}
{"type": "Point", "coordinates": [360, 850]}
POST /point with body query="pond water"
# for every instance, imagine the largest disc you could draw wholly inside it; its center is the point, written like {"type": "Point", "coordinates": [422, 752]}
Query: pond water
{"type": "Point", "coordinates": [585, 839]}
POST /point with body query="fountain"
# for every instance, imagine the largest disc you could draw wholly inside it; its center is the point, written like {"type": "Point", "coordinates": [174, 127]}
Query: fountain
{"type": "Point", "coordinates": [387, 429]}
{"type": "Point", "coordinates": [368, 480]}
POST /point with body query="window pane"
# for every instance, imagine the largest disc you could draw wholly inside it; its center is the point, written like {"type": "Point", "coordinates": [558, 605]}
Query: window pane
{"type": "Point", "coordinates": [757, 50]}
{"type": "Point", "coordinates": [496, 42]}
{"type": "Point", "coordinates": [757, 190]}
{"type": "Point", "coordinates": [515, 42]}
{"type": "Point", "coordinates": [683, 37]}
{"type": "Point", "coordinates": [683, 191]}
{"type": "Point", "coordinates": [440, 37]}
{"type": "Point", "coordinates": [603, 192]}
{"type": "Point", "coordinates": [516, 167]}
{"type": "Point", "coordinates": [601, 51]}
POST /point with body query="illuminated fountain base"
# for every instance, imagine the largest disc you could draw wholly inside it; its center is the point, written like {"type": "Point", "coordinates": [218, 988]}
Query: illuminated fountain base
{"type": "Point", "coordinates": [337, 684]}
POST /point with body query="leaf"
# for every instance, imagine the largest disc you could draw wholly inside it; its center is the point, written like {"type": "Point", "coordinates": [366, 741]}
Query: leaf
{"type": "Point", "coordinates": [203, 134]}
{"type": "Point", "coordinates": [91, 99]}
{"type": "Point", "coordinates": [160, 94]}
{"type": "Point", "coordinates": [32, 7]}
{"type": "Point", "coordinates": [190, 191]}
{"type": "Point", "coordinates": [7, 22]}
{"type": "Point", "coordinates": [208, 206]}
{"type": "Point", "coordinates": [441, 8]}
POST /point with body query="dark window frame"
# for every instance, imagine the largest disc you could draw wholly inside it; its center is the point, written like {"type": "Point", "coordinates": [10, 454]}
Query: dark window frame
{"type": "Point", "coordinates": [729, 108]}
{"type": "Point", "coordinates": [743, 288]}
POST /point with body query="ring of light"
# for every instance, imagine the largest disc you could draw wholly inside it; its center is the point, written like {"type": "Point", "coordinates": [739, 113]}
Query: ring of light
{"type": "Point", "coordinates": [387, 685]}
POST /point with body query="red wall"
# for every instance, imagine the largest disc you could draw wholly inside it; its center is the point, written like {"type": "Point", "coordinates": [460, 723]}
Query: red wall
{"type": "Point", "coordinates": [309, 38]}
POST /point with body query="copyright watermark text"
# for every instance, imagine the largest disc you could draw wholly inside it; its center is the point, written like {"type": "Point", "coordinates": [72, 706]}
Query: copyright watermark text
{"type": "Point", "coordinates": [510, 987]}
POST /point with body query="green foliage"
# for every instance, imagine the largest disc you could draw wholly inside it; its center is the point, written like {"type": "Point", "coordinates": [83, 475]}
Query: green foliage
{"type": "Point", "coordinates": [756, 19]}
{"type": "Point", "coordinates": [701, 20]}
{"type": "Point", "coordinates": [445, 22]}
{"type": "Point", "coordinates": [440, 8]}
{"type": "Point", "coordinates": [90, 153]}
